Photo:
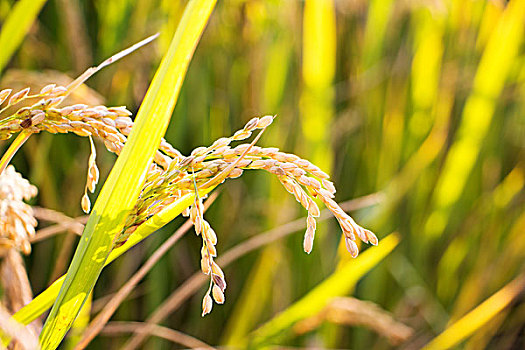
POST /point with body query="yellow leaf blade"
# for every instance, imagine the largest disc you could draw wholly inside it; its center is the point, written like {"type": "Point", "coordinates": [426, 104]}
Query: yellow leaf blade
{"type": "Point", "coordinates": [338, 284]}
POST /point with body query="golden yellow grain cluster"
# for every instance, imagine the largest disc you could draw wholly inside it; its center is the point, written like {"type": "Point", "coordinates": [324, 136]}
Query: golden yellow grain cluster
{"type": "Point", "coordinates": [173, 175]}
{"type": "Point", "coordinates": [17, 223]}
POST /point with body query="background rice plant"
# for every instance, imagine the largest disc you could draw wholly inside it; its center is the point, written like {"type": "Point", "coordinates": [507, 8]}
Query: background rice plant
{"type": "Point", "coordinates": [422, 101]}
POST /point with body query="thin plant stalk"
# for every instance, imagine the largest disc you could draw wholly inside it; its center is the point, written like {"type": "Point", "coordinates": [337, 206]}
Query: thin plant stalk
{"type": "Point", "coordinates": [13, 148]}
{"type": "Point", "coordinates": [155, 330]}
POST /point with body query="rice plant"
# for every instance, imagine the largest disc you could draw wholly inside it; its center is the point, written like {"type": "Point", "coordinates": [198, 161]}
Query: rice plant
{"type": "Point", "coordinates": [413, 108]}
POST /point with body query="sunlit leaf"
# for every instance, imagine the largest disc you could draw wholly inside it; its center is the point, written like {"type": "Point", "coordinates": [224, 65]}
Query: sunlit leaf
{"type": "Point", "coordinates": [124, 183]}
{"type": "Point", "coordinates": [338, 284]}
{"type": "Point", "coordinates": [16, 26]}
{"type": "Point", "coordinates": [478, 317]}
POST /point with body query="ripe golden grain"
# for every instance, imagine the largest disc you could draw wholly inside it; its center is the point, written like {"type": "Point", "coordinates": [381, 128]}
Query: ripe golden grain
{"type": "Point", "coordinates": [173, 175]}
{"type": "Point", "coordinates": [17, 223]}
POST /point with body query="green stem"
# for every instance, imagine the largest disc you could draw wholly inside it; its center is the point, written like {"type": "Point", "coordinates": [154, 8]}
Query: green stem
{"type": "Point", "coordinates": [13, 148]}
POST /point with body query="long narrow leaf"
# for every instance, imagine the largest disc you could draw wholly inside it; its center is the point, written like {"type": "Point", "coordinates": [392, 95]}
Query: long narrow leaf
{"type": "Point", "coordinates": [16, 27]}
{"type": "Point", "coordinates": [477, 318]}
{"type": "Point", "coordinates": [338, 284]}
{"type": "Point", "coordinates": [124, 183]}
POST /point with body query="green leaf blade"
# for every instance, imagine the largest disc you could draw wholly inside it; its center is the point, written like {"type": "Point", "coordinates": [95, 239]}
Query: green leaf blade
{"type": "Point", "coordinates": [121, 190]}
{"type": "Point", "coordinates": [16, 26]}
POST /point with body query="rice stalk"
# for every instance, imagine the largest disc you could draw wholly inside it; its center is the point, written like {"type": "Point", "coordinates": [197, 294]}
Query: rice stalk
{"type": "Point", "coordinates": [155, 330]}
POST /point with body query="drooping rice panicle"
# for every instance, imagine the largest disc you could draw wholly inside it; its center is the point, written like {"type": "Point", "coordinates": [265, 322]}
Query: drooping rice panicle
{"type": "Point", "coordinates": [173, 175]}
{"type": "Point", "coordinates": [169, 177]}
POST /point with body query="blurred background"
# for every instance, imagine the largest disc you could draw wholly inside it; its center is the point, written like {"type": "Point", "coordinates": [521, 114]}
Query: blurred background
{"type": "Point", "coordinates": [418, 103]}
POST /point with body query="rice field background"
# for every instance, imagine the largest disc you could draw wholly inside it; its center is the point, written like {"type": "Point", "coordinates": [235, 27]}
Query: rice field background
{"type": "Point", "coordinates": [415, 109]}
